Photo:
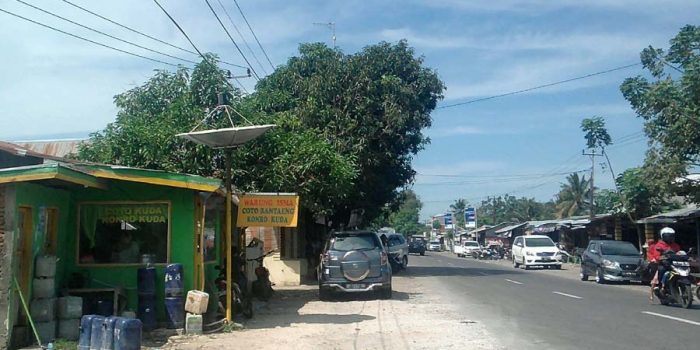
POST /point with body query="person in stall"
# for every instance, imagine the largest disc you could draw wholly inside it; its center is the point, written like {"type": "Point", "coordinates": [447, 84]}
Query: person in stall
{"type": "Point", "coordinates": [126, 250]}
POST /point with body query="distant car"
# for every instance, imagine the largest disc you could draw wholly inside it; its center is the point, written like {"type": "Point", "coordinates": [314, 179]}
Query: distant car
{"type": "Point", "coordinates": [611, 261]}
{"type": "Point", "coordinates": [354, 261]}
{"type": "Point", "coordinates": [467, 248]}
{"type": "Point", "coordinates": [417, 245]}
{"type": "Point", "coordinates": [535, 250]}
{"type": "Point", "coordinates": [434, 246]}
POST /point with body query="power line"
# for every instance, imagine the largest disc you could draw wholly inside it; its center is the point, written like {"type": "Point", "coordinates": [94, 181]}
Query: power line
{"type": "Point", "coordinates": [539, 86]}
{"type": "Point", "coordinates": [242, 37]}
{"type": "Point", "coordinates": [143, 34]}
{"type": "Point", "coordinates": [103, 33]}
{"type": "Point", "coordinates": [195, 46]}
{"type": "Point", "coordinates": [233, 41]}
{"type": "Point", "coordinates": [491, 176]}
{"type": "Point", "coordinates": [254, 36]}
{"type": "Point", "coordinates": [88, 40]}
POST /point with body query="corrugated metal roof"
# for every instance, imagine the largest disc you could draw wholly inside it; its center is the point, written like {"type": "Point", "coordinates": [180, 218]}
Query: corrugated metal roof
{"type": "Point", "coordinates": [672, 216]}
{"type": "Point", "coordinates": [55, 148]}
{"type": "Point", "coordinates": [510, 228]}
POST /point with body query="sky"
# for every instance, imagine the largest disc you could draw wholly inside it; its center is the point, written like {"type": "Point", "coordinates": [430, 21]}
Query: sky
{"type": "Point", "coordinates": [55, 86]}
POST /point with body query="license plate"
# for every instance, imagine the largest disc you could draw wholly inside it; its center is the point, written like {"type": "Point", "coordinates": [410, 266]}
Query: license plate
{"type": "Point", "coordinates": [546, 259]}
{"type": "Point", "coordinates": [628, 274]}
{"type": "Point", "coordinates": [356, 286]}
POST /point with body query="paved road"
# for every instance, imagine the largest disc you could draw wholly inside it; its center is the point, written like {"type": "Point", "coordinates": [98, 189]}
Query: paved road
{"type": "Point", "coordinates": [549, 309]}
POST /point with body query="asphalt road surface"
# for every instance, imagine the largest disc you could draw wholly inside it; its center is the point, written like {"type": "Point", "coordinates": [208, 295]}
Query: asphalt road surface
{"type": "Point", "coordinates": [551, 309]}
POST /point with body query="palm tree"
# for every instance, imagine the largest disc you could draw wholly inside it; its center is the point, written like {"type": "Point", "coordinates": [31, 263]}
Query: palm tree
{"type": "Point", "coordinates": [573, 196]}
{"type": "Point", "coordinates": [458, 207]}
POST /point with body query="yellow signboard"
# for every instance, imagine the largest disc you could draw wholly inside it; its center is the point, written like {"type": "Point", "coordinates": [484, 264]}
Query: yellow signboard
{"type": "Point", "coordinates": [268, 210]}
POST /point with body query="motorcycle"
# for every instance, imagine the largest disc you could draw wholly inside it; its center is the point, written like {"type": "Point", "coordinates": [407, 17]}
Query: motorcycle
{"type": "Point", "coordinates": [678, 283]}
{"type": "Point", "coordinates": [241, 300]}
{"type": "Point", "coordinates": [262, 286]}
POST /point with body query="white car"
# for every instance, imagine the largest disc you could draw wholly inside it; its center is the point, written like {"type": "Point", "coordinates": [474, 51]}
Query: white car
{"type": "Point", "coordinates": [467, 248]}
{"type": "Point", "coordinates": [434, 246]}
{"type": "Point", "coordinates": [535, 250]}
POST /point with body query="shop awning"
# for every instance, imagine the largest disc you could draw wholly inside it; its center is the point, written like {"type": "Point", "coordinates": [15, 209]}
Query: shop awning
{"type": "Point", "coordinates": [154, 177]}
{"type": "Point", "coordinates": [690, 212]}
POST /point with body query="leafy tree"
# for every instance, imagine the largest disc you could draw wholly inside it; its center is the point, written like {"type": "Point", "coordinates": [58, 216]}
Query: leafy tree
{"type": "Point", "coordinates": [607, 202]}
{"type": "Point", "coordinates": [372, 106]}
{"type": "Point", "coordinates": [288, 158]}
{"type": "Point", "coordinates": [436, 224]}
{"type": "Point", "coordinates": [495, 210]}
{"type": "Point", "coordinates": [458, 208]}
{"type": "Point", "coordinates": [573, 197]}
{"type": "Point", "coordinates": [406, 219]}
{"type": "Point", "coordinates": [669, 103]}
{"type": "Point", "coordinates": [596, 134]}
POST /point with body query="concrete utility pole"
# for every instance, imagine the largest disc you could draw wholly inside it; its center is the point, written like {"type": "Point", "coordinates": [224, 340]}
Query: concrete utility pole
{"type": "Point", "coordinates": [592, 206]}
{"type": "Point", "coordinates": [331, 26]}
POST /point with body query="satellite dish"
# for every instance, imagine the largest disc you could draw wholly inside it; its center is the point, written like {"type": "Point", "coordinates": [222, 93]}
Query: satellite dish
{"type": "Point", "coordinates": [227, 137]}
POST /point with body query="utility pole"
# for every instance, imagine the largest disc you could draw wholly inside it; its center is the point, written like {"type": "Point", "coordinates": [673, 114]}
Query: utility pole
{"type": "Point", "coordinates": [592, 206]}
{"type": "Point", "coordinates": [331, 26]}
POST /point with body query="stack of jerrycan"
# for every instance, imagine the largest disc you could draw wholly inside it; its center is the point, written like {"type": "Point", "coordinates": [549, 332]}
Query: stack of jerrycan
{"type": "Point", "coordinates": [146, 286]}
{"type": "Point", "coordinates": [174, 296]}
{"type": "Point", "coordinates": [43, 304]}
{"type": "Point", "coordinates": [70, 309]}
{"type": "Point", "coordinates": [109, 333]}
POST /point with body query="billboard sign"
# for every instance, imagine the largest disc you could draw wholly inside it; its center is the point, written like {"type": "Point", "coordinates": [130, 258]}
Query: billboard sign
{"type": "Point", "coordinates": [448, 219]}
{"type": "Point", "coordinates": [268, 210]}
{"type": "Point", "coordinates": [470, 217]}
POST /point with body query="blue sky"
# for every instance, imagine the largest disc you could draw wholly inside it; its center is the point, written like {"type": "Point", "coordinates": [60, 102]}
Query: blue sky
{"type": "Point", "coordinates": [57, 86]}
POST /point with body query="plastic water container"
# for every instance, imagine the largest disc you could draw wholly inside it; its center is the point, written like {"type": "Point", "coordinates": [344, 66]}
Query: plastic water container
{"type": "Point", "coordinates": [43, 310]}
{"type": "Point", "coordinates": [193, 324]}
{"type": "Point", "coordinates": [43, 288]}
{"type": "Point", "coordinates": [147, 311]}
{"type": "Point", "coordinates": [96, 332]}
{"type": "Point", "coordinates": [175, 309]}
{"type": "Point", "coordinates": [45, 266]}
{"type": "Point", "coordinates": [146, 280]}
{"type": "Point", "coordinates": [46, 331]}
{"type": "Point", "coordinates": [86, 331]}
{"type": "Point", "coordinates": [196, 302]}
{"type": "Point", "coordinates": [174, 285]}
{"type": "Point", "coordinates": [70, 307]}
{"type": "Point", "coordinates": [69, 329]}
{"type": "Point", "coordinates": [127, 334]}
{"type": "Point", "coordinates": [108, 332]}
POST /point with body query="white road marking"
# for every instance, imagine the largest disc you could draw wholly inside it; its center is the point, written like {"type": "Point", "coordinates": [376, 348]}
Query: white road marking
{"type": "Point", "coordinates": [567, 295]}
{"type": "Point", "coordinates": [511, 281]}
{"type": "Point", "coordinates": [483, 274]}
{"type": "Point", "coordinates": [671, 318]}
{"type": "Point", "coordinates": [451, 264]}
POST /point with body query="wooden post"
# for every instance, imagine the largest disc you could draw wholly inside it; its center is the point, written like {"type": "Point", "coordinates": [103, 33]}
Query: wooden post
{"type": "Point", "coordinates": [648, 231]}
{"type": "Point", "coordinates": [618, 228]}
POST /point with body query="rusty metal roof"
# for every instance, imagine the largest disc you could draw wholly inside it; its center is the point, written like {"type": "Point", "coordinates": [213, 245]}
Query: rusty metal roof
{"type": "Point", "coordinates": [55, 148]}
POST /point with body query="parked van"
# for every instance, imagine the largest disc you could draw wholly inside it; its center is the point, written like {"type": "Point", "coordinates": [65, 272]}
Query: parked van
{"type": "Point", "coordinates": [535, 250]}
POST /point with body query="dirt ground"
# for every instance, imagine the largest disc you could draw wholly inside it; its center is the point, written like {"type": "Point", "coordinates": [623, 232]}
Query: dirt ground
{"type": "Point", "coordinates": [415, 318]}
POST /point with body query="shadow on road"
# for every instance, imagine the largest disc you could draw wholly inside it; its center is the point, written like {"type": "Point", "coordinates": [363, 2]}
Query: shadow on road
{"type": "Point", "coordinates": [440, 271]}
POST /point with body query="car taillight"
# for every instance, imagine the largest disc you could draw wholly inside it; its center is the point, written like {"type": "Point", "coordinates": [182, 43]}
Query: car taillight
{"type": "Point", "coordinates": [385, 258]}
{"type": "Point", "coordinates": [325, 258]}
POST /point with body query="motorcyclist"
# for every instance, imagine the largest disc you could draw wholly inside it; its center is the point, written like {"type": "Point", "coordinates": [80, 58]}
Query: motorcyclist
{"type": "Point", "coordinates": [666, 247]}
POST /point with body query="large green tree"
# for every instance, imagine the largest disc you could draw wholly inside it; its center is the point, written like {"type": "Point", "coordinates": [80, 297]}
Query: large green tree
{"type": "Point", "coordinates": [287, 159]}
{"type": "Point", "coordinates": [405, 220]}
{"type": "Point", "coordinates": [372, 106]}
{"type": "Point", "coordinates": [669, 103]}
{"type": "Point", "coordinates": [458, 208]}
{"type": "Point", "coordinates": [499, 209]}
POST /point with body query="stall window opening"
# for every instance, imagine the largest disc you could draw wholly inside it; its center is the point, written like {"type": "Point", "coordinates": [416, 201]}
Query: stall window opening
{"type": "Point", "coordinates": [123, 233]}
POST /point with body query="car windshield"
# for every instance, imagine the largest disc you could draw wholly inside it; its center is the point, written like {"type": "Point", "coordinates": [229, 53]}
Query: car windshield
{"type": "Point", "coordinates": [619, 249]}
{"type": "Point", "coordinates": [539, 242]}
{"type": "Point", "coordinates": [435, 242]}
{"type": "Point", "coordinates": [471, 244]}
{"type": "Point", "coordinates": [355, 242]}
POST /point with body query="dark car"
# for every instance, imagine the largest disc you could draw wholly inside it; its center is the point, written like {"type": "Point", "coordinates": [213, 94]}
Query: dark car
{"type": "Point", "coordinates": [354, 261]}
{"type": "Point", "coordinates": [611, 261]}
{"type": "Point", "coordinates": [416, 245]}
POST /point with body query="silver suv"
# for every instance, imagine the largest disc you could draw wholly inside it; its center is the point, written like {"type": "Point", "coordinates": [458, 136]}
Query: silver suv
{"type": "Point", "coordinates": [354, 261]}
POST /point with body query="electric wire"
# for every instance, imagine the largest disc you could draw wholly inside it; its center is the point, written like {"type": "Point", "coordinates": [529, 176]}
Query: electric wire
{"type": "Point", "coordinates": [539, 86]}
{"type": "Point", "coordinates": [88, 40]}
{"type": "Point", "coordinates": [103, 33]}
{"type": "Point", "coordinates": [233, 41]}
{"type": "Point", "coordinates": [254, 36]}
{"type": "Point", "coordinates": [142, 33]}
{"type": "Point", "coordinates": [242, 37]}
{"type": "Point", "coordinates": [177, 25]}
